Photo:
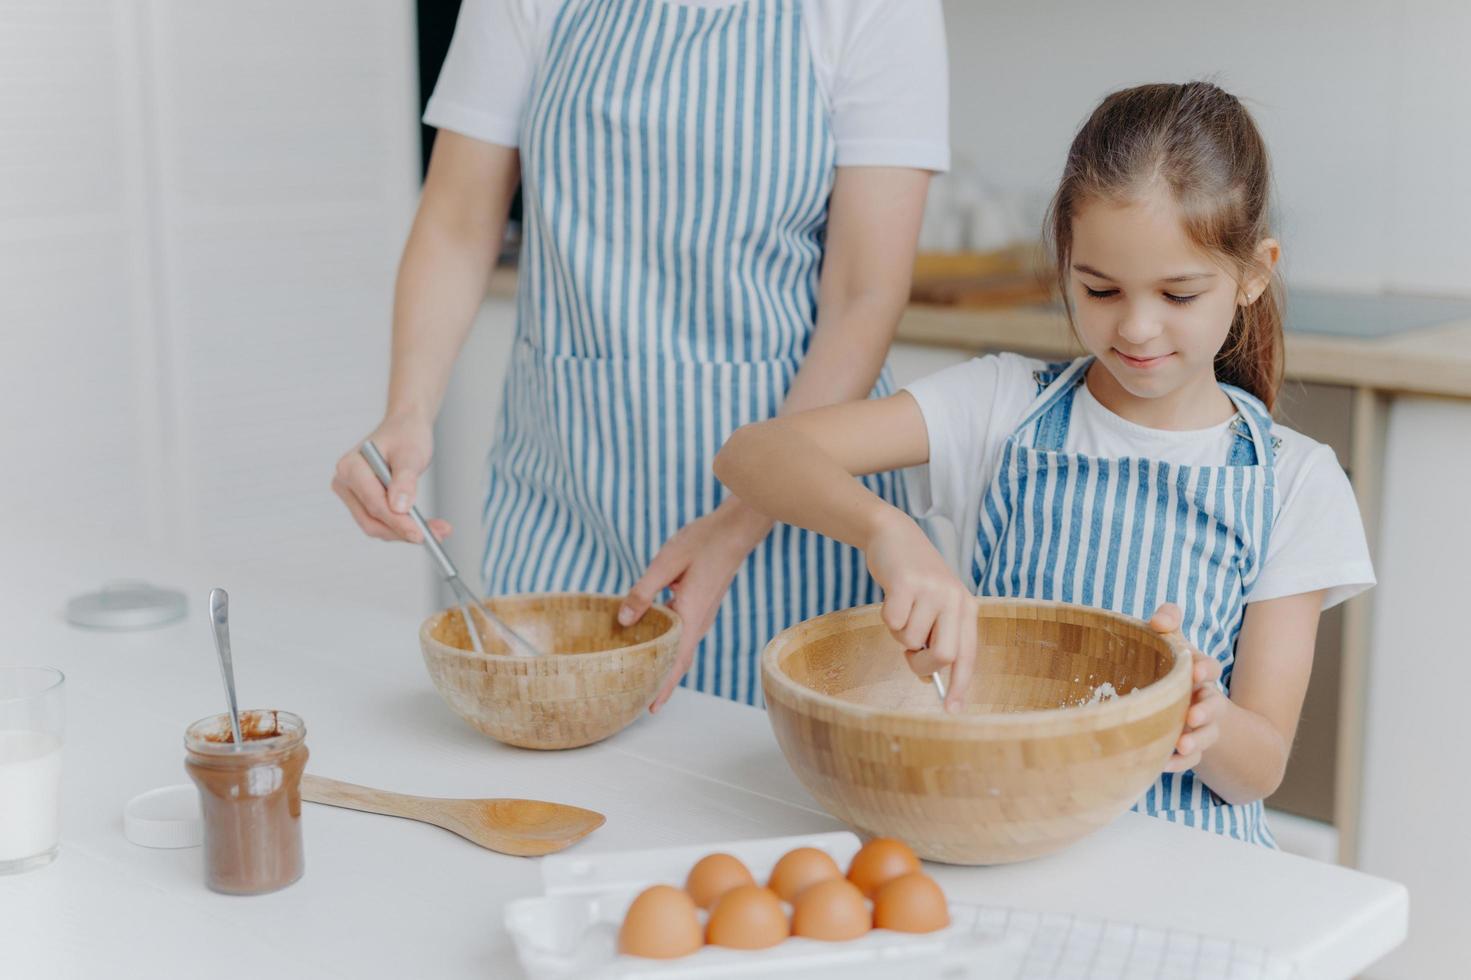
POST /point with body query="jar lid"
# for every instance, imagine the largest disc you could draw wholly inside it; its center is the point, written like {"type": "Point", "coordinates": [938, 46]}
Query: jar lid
{"type": "Point", "coordinates": [126, 606]}
{"type": "Point", "coordinates": [165, 817]}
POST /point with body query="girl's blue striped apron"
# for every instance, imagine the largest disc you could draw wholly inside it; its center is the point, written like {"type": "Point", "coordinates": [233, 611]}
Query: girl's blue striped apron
{"type": "Point", "coordinates": [676, 166]}
{"type": "Point", "coordinates": [1130, 534]}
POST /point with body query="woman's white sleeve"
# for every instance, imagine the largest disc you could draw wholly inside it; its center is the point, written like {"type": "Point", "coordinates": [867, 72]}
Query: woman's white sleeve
{"type": "Point", "coordinates": [482, 88]}
{"type": "Point", "coordinates": [890, 83]}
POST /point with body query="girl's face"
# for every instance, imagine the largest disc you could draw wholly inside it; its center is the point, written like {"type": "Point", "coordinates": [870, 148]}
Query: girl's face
{"type": "Point", "coordinates": [1151, 306]}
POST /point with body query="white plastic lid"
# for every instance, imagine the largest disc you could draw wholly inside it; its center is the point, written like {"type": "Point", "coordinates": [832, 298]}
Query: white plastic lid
{"type": "Point", "coordinates": [165, 817]}
{"type": "Point", "coordinates": [126, 606]}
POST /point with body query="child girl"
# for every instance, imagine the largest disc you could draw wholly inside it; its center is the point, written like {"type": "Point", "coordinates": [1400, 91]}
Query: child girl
{"type": "Point", "coordinates": [1146, 477]}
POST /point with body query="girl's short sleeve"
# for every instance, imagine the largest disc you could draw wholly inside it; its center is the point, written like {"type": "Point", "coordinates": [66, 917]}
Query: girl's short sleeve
{"type": "Point", "coordinates": [1317, 538]}
{"type": "Point", "coordinates": [482, 87]}
{"type": "Point", "coordinates": [957, 405]}
{"type": "Point", "coordinates": [968, 411]}
{"type": "Point", "coordinates": [889, 81]}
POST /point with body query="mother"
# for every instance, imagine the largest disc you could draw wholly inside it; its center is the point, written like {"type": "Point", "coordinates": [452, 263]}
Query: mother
{"type": "Point", "coordinates": [721, 206]}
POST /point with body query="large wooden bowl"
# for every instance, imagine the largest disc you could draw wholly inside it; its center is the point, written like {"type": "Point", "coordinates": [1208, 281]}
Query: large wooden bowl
{"type": "Point", "coordinates": [1030, 767]}
{"type": "Point", "coordinates": [594, 679]}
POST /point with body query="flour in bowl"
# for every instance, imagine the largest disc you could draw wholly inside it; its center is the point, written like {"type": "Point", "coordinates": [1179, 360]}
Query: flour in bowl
{"type": "Point", "coordinates": [1103, 692]}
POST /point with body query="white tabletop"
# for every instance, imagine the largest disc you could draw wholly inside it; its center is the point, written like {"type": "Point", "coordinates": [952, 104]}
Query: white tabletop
{"type": "Point", "coordinates": [385, 897]}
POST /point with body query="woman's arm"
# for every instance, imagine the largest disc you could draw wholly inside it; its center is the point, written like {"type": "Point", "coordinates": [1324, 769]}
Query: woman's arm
{"type": "Point", "coordinates": [873, 229]}
{"type": "Point", "coordinates": [1274, 657]}
{"type": "Point", "coordinates": [872, 234]}
{"type": "Point", "coordinates": [446, 266]}
{"type": "Point", "coordinates": [442, 279]}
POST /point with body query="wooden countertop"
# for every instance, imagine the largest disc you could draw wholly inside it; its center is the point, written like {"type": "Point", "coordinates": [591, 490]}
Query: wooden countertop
{"type": "Point", "coordinates": [1434, 360]}
{"type": "Point", "coordinates": [1431, 361]}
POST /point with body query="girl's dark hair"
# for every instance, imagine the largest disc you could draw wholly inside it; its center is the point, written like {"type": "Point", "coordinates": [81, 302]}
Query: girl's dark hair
{"type": "Point", "coordinates": [1198, 142]}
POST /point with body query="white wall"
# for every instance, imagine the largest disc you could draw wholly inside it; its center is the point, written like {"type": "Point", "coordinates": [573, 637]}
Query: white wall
{"type": "Point", "coordinates": [1363, 106]}
{"type": "Point", "coordinates": [201, 207]}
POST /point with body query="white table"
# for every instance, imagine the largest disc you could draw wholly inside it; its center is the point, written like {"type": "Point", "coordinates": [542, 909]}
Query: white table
{"type": "Point", "coordinates": [385, 897]}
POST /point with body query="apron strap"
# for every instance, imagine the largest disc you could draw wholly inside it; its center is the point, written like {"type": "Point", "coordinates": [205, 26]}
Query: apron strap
{"type": "Point", "coordinates": [1243, 450]}
{"type": "Point", "coordinates": [1051, 415]}
{"type": "Point", "coordinates": [1254, 444]}
{"type": "Point", "coordinates": [1052, 427]}
{"type": "Point", "coordinates": [1052, 409]}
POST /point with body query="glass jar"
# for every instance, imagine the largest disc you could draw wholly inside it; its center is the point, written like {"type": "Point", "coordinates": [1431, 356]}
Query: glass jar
{"type": "Point", "coordinates": [250, 796]}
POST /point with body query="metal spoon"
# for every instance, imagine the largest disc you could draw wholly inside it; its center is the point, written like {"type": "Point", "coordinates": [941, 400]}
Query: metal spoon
{"type": "Point", "coordinates": [514, 641]}
{"type": "Point", "coordinates": [939, 685]}
{"type": "Point", "coordinates": [219, 618]}
{"type": "Point", "coordinates": [936, 681]}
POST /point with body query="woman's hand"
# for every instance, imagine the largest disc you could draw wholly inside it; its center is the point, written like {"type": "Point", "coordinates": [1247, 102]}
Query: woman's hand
{"type": "Point", "coordinates": [926, 607]}
{"type": "Point", "coordinates": [697, 564]}
{"type": "Point", "coordinates": [1207, 703]}
{"type": "Point", "coordinates": [407, 443]}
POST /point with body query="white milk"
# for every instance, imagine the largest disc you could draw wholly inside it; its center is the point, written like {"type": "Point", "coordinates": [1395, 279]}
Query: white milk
{"type": "Point", "coordinates": [30, 794]}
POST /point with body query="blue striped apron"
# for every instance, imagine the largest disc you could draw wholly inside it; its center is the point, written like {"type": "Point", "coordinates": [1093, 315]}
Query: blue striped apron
{"type": "Point", "coordinates": [676, 167]}
{"type": "Point", "coordinates": [1130, 534]}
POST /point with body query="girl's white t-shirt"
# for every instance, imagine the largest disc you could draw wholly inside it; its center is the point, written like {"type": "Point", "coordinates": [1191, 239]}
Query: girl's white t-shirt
{"type": "Point", "coordinates": [879, 63]}
{"type": "Point", "coordinates": [1317, 539]}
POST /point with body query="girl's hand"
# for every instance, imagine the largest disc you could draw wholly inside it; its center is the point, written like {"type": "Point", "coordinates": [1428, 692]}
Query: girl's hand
{"type": "Point", "coordinates": [1207, 703]}
{"type": "Point", "coordinates": [407, 443]}
{"type": "Point", "coordinates": [697, 565]}
{"type": "Point", "coordinates": [926, 608]}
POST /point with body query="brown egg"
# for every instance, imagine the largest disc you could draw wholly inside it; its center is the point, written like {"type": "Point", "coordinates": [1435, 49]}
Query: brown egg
{"type": "Point", "coordinates": [800, 868]}
{"type": "Point", "coordinates": [833, 910]}
{"type": "Point", "coordinates": [661, 924]}
{"type": "Point", "coordinates": [747, 917]}
{"type": "Point", "coordinates": [911, 903]}
{"type": "Point", "coordinates": [878, 861]}
{"type": "Point", "coordinates": [713, 876]}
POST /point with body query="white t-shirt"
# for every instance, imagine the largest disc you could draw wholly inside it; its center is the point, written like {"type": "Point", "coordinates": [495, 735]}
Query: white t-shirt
{"type": "Point", "coordinates": [1317, 539]}
{"type": "Point", "coordinates": [879, 63]}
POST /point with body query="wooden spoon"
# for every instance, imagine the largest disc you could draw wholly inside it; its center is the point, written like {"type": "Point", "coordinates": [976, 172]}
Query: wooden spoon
{"type": "Point", "coordinates": [525, 828]}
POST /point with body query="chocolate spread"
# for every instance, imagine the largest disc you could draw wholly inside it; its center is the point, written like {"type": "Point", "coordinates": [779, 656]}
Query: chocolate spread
{"type": "Point", "coordinates": [250, 796]}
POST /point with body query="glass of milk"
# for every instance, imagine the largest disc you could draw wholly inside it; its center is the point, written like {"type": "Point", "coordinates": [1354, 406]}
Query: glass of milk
{"type": "Point", "coordinates": [31, 720]}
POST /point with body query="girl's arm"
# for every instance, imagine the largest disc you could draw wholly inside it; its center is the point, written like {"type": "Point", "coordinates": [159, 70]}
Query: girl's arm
{"type": "Point", "coordinates": [873, 231]}
{"type": "Point", "coordinates": [442, 279]}
{"type": "Point", "coordinates": [800, 469]}
{"type": "Point", "coordinates": [1245, 757]}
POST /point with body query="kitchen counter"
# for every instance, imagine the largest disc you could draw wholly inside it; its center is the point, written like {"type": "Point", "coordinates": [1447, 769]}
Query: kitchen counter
{"type": "Point", "coordinates": [1434, 359]}
{"type": "Point", "coordinates": [384, 897]}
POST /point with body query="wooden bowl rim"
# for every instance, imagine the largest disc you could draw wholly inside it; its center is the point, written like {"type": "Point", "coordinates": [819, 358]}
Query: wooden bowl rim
{"type": "Point", "coordinates": [1142, 701]}
{"type": "Point", "coordinates": [669, 636]}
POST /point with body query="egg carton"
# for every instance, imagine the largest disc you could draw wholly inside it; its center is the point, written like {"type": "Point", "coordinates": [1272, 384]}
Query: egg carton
{"type": "Point", "coordinates": [572, 929]}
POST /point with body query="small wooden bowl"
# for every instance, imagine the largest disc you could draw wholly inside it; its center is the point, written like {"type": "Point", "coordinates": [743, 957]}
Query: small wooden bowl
{"type": "Point", "coordinates": [1028, 768]}
{"type": "Point", "coordinates": [593, 679]}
